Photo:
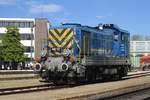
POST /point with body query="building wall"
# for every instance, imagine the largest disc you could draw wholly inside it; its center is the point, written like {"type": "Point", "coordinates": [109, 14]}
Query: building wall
{"type": "Point", "coordinates": [137, 50]}
{"type": "Point", "coordinates": [41, 32]}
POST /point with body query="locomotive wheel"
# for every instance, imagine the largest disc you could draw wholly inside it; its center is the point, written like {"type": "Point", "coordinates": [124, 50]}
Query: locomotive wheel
{"type": "Point", "coordinates": [107, 77]}
{"type": "Point", "coordinates": [71, 81]}
{"type": "Point", "coordinates": [91, 76]}
{"type": "Point", "coordinates": [124, 71]}
{"type": "Point", "coordinates": [71, 78]}
{"type": "Point", "coordinates": [116, 77]}
{"type": "Point", "coordinates": [57, 82]}
{"type": "Point", "coordinates": [121, 72]}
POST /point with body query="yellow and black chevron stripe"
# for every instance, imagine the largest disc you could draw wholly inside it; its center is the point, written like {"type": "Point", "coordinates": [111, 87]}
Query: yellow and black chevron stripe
{"type": "Point", "coordinates": [61, 38]}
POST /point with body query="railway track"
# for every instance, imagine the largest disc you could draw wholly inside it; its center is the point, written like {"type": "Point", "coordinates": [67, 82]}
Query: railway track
{"type": "Point", "coordinates": [136, 75]}
{"type": "Point", "coordinates": [7, 91]}
{"type": "Point", "coordinates": [139, 92]}
{"type": "Point", "coordinates": [26, 89]}
{"type": "Point", "coordinates": [142, 94]}
{"type": "Point", "coordinates": [17, 75]}
{"type": "Point", "coordinates": [2, 72]}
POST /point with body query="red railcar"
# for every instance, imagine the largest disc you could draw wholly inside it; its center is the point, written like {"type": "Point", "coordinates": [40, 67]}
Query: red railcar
{"type": "Point", "coordinates": [145, 62]}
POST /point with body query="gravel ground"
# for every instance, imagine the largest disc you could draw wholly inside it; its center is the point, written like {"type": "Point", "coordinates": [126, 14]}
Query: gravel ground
{"type": "Point", "coordinates": [19, 83]}
{"type": "Point", "coordinates": [16, 75]}
{"type": "Point", "coordinates": [79, 90]}
{"type": "Point", "coordinates": [140, 95]}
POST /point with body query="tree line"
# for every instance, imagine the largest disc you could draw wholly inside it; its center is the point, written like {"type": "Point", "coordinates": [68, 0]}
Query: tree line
{"type": "Point", "coordinates": [139, 37]}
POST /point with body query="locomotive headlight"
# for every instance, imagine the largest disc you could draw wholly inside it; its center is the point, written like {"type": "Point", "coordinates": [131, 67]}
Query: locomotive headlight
{"type": "Point", "coordinates": [64, 66]}
{"type": "Point", "coordinates": [38, 66]}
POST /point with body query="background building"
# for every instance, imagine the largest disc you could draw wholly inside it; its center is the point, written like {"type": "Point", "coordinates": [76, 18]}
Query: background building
{"type": "Point", "coordinates": [33, 33]}
{"type": "Point", "coordinates": [137, 50]}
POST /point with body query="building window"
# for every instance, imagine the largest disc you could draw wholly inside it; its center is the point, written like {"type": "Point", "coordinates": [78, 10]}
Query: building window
{"type": "Point", "coordinates": [148, 48]}
{"type": "Point", "coordinates": [29, 49]}
{"type": "Point", "coordinates": [27, 37]}
{"type": "Point", "coordinates": [140, 48]}
{"type": "Point", "coordinates": [16, 23]}
{"type": "Point", "coordinates": [140, 43]}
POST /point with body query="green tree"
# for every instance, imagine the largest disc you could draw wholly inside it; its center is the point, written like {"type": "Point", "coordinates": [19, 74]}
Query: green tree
{"type": "Point", "coordinates": [147, 38]}
{"type": "Point", "coordinates": [13, 50]}
{"type": "Point", "coordinates": [137, 37]}
{"type": "Point", "coordinates": [1, 56]}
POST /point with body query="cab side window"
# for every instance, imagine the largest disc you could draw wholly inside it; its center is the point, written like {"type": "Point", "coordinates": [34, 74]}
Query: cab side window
{"type": "Point", "coordinates": [123, 37]}
{"type": "Point", "coordinates": [116, 36]}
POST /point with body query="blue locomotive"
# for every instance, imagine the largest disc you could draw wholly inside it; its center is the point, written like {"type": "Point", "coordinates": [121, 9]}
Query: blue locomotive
{"type": "Point", "coordinates": [79, 53]}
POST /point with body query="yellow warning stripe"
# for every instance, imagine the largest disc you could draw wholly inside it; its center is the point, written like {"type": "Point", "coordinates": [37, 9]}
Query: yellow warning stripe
{"type": "Point", "coordinates": [60, 38]}
{"type": "Point", "coordinates": [54, 41]}
{"type": "Point", "coordinates": [60, 30]}
{"type": "Point", "coordinates": [55, 34]}
{"type": "Point", "coordinates": [67, 39]}
{"type": "Point", "coordinates": [57, 53]}
{"type": "Point", "coordinates": [64, 34]}
{"type": "Point", "coordinates": [69, 45]}
{"type": "Point", "coordinates": [50, 45]}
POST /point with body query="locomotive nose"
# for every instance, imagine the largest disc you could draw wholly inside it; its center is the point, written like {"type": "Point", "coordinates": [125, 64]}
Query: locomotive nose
{"type": "Point", "coordinates": [64, 66]}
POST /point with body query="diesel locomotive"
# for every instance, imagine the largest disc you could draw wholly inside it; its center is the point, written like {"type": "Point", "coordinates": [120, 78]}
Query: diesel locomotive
{"type": "Point", "coordinates": [76, 53]}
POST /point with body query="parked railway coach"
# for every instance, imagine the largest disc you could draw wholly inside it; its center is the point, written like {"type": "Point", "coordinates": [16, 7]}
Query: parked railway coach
{"type": "Point", "coordinates": [78, 53]}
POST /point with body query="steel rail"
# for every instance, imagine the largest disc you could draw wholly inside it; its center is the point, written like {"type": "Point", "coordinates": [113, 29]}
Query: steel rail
{"type": "Point", "coordinates": [26, 89]}
{"type": "Point", "coordinates": [136, 75]}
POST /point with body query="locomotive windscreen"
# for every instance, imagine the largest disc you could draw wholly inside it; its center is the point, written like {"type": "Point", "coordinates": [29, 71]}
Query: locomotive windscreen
{"type": "Point", "coordinates": [60, 39]}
